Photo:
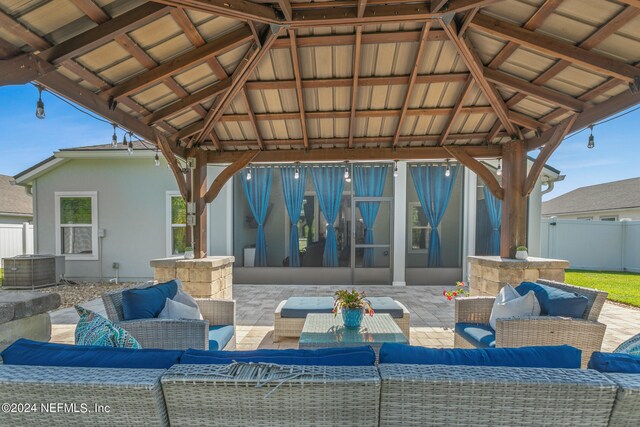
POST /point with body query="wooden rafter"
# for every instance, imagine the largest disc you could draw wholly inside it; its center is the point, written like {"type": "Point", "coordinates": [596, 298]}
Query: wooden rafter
{"type": "Point", "coordinates": [556, 48]}
{"type": "Point", "coordinates": [22, 32]}
{"type": "Point", "coordinates": [238, 9]}
{"type": "Point", "coordinates": [295, 63]}
{"type": "Point", "coordinates": [367, 38]}
{"type": "Point", "coordinates": [467, 20]}
{"type": "Point", "coordinates": [437, 5]}
{"type": "Point", "coordinates": [164, 146]}
{"type": "Point", "coordinates": [362, 6]}
{"type": "Point", "coordinates": [252, 117]}
{"type": "Point", "coordinates": [475, 68]}
{"type": "Point", "coordinates": [92, 10]}
{"type": "Point", "coordinates": [422, 44]}
{"type": "Point", "coordinates": [354, 88]}
{"type": "Point", "coordinates": [238, 164]}
{"type": "Point", "coordinates": [456, 110]}
{"type": "Point", "coordinates": [634, 3]}
{"type": "Point", "coordinates": [285, 7]}
{"type": "Point", "coordinates": [464, 157]}
{"type": "Point", "coordinates": [555, 138]}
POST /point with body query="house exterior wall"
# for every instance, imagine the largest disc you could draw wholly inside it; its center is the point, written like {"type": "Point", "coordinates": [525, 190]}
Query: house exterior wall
{"type": "Point", "coordinates": [131, 199]}
{"type": "Point", "coordinates": [14, 219]}
{"type": "Point", "coordinates": [632, 214]}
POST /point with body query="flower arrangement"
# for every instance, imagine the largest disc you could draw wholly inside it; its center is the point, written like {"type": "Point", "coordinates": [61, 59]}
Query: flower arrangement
{"type": "Point", "coordinates": [459, 291]}
{"type": "Point", "coordinates": [352, 300]}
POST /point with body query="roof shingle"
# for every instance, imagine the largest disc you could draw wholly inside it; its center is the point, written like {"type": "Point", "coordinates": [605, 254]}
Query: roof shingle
{"type": "Point", "coordinates": [14, 199]}
{"type": "Point", "coordinates": [623, 194]}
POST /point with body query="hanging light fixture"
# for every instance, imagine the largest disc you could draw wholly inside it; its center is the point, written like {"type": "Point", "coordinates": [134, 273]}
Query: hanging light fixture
{"type": "Point", "coordinates": [114, 138]}
{"type": "Point", "coordinates": [296, 174]}
{"type": "Point", "coordinates": [395, 169]}
{"type": "Point", "coordinates": [40, 105]}
{"type": "Point", "coordinates": [499, 170]}
{"type": "Point", "coordinates": [249, 173]}
{"type": "Point", "coordinates": [592, 140]}
{"type": "Point", "coordinates": [130, 145]}
{"type": "Point", "coordinates": [447, 171]}
{"type": "Point", "coordinates": [347, 173]}
{"type": "Point", "coordinates": [157, 159]}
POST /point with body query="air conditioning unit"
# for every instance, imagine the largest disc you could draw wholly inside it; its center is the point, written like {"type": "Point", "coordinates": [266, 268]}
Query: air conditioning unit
{"type": "Point", "coordinates": [32, 271]}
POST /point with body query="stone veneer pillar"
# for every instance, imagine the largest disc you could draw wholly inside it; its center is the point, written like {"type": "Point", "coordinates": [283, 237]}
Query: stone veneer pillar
{"type": "Point", "coordinates": [210, 277]}
{"type": "Point", "coordinates": [488, 274]}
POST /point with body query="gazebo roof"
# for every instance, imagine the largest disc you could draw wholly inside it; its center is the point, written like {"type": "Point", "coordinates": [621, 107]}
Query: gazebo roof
{"type": "Point", "coordinates": [393, 75]}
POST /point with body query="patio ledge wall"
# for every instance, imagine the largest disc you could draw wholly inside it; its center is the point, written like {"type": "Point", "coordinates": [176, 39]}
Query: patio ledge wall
{"type": "Point", "coordinates": [488, 274]}
{"type": "Point", "coordinates": [210, 277]}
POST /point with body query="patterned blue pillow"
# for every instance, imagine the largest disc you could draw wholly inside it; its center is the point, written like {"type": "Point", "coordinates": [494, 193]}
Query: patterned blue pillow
{"type": "Point", "coordinates": [93, 329]}
{"type": "Point", "coordinates": [630, 346]}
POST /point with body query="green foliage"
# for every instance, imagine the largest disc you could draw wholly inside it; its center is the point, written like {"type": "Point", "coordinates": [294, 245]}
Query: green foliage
{"type": "Point", "coordinates": [178, 210]}
{"type": "Point", "coordinates": [75, 210]}
{"type": "Point", "coordinates": [351, 299]}
{"type": "Point", "coordinates": [623, 287]}
{"type": "Point", "coordinates": [459, 291]}
{"type": "Point", "coordinates": [521, 248]}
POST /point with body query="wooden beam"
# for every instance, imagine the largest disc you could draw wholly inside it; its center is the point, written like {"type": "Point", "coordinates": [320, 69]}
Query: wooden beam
{"type": "Point", "coordinates": [238, 164]}
{"type": "Point", "coordinates": [367, 38]}
{"type": "Point", "coordinates": [556, 48]}
{"type": "Point", "coordinates": [463, 156]}
{"type": "Point", "coordinates": [352, 154]}
{"type": "Point", "coordinates": [466, 21]}
{"type": "Point", "coordinates": [513, 228]}
{"type": "Point", "coordinates": [554, 140]}
{"type": "Point", "coordinates": [285, 7]}
{"type": "Point", "coordinates": [412, 79]}
{"type": "Point", "coordinates": [634, 3]}
{"type": "Point", "coordinates": [215, 47]}
{"type": "Point", "coordinates": [92, 10]}
{"type": "Point", "coordinates": [362, 5]}
{"type": "Point", "coordinates": [475, 68]}
{"type": "Point", "coordinates": [22, 32]}
{"type": "Point", "coordinates": [354, 88]}
{"type": "Point", "coordinates": [456, 110]}
{"type": "Point", "coordinates": [8, 50]}
{"type": "Point", "coordinates": [23, 69]}
{"type": "Point", "coordinates": [437, 5]}
{"type": "Point", "coordinates": [238, 9]}
{"type": "Point", "coordinates": [167, 152]}
{"type": "Point", "coordinates": [198, 191]}
{"type": "Point", "coordinates": [252, 118]}
{"type": "Point", "coordinates": [519, 85]}
{"type": "Point", "coordinates": [298, 78]}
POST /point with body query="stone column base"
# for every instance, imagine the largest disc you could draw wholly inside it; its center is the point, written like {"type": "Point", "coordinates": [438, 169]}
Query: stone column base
{"type": "Point", "coordinates": [488, 274]}
{"type": "Point", "coordinates": [210, 277]}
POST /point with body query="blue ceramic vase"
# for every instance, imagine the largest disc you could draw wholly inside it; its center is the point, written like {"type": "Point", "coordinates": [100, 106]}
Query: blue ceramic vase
{"type": "Point", "coordinates": [352, 317]}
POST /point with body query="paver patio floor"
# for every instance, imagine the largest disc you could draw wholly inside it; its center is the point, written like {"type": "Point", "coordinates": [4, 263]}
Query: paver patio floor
{"type": "Point", "coordinates": [431, 315]}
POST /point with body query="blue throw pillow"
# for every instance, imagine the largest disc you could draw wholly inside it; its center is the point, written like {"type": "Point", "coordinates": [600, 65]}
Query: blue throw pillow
{"type": "Point", "coordinates": [36, 353]}
{"type": "Point", "coordinates": [556, 302]}
{"type": "Point", "coordinates": [615, 362]}
{"type": "Point", "coordinates": [93, 329]}
{"type": "Point", "coordinates": [563, 356]}
{"type": "Point", "coordinates": [341, 356]}
{"type": "Point", "coordinates": [147, 303]}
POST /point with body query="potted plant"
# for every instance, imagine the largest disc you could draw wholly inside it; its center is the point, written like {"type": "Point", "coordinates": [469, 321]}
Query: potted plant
{"type": "Point", "coordinates": [521, 253]}
{"type": "Point", "coordinates": [458, 291]}
{"type": "Point", "coordinates": [352, 304]}
{"type": "Point", "coordinates": [188, 252]}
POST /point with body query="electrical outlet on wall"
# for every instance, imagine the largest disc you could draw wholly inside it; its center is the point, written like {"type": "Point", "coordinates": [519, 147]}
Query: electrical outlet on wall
{"type": "Point", "coordinates": [115, 265]}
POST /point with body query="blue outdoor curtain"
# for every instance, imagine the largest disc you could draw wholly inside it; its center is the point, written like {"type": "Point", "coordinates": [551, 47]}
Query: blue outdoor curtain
{"type": "Point", "coordinates": [293, 190]}
{"type": "Point", "coordinates": [329, 183]}
{"type": "Point", "coordinates": [494, 209]}
{"type": "Point", "coordinates": [258, 191]}
{"type": "Point", "coordinates": [369, 182]}
{"type": "Point", "coordinates": [434, 191]}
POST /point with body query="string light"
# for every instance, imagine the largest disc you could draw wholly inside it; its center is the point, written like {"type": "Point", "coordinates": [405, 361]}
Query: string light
{"type": "Point", "coordinates": [395, 169]}
{"type": "Point", "coordinates": [499, 170]}
{"type": "Point", "coordinates": [39, 104]}
{"type": "Point", "coordinates": [114, 138]}
{"type": "Point", "coordinates": [296, 174]}
{"type": "Point", "coordinates": [249, 173]}
{"type": "Point", "coordinates": [157, 159]}
{"type": "Point", "coordinates": [592, 140]}
{"type": "Point", "coordinates": [447, 171]}
{"type": "Point", "coordinates": [130, 145]}
{"type": "Point", "coordinates": [347, 173]}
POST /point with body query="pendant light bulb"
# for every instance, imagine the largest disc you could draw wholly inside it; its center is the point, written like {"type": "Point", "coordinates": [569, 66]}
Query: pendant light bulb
{"type": "Point", "coordinates": [395, 169]}
{"type": "Point", "coordinates": [157, 159]}
{"type": "Point", "coordinates": [592, 140]}
{"type": "Point", "coordinates": [248, 174]}
{"type": "Point", "coordinates": [114, 138]}
{"type": "Point", "coordinates": [499, 170]}
{"type": "Point", "coordinates": [40, 105]}
{"type": "Point", "coordinates": [130, 145]}
{"type": "Point", "coordinates": [296, 174]}
{"type": "Point", "coordinates": [447, 171]}
{"type": "Point", "coordinates": [347, 174]}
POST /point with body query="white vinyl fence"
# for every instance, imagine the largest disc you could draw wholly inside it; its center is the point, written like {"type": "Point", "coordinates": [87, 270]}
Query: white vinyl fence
{"type": "Point", "coordinates": [16, 239]}
{"type": "Point", "coordinates": [593, 245]}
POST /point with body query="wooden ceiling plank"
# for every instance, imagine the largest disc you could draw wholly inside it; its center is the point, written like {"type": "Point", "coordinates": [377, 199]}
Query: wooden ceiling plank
{"type": "Point", "coordinates": [354, 88]}
{"type": "Point", "coordinates": [367, 38]}
{"type": "Point", "coordinates": [412, 79]}
{"type": "Point", "coordinates": [298, 77]}
{"type": "Point", "coordinates": [557, 48]}
{"type": "Point", "coordinates": [456, 110]}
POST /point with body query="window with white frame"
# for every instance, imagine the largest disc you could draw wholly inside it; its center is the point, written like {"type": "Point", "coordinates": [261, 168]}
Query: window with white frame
{"type": "Point", "coordinates": [76, 216]}
{"type": "Point", "coordinates": [176, 224]}
{"type": "Point", "coordinates": [585, 218]}
{"type": "Point", "coordinates": [419, 229]}
{"type": "Point", "coordinates": [609, 218]}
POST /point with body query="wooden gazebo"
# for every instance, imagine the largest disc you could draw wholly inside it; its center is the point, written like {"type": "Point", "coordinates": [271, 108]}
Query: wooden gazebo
{"type": "Point", "coordinates": [235, 81]}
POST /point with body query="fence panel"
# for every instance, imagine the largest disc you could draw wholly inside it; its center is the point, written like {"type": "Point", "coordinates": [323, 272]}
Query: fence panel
{"type": "Point", "coordinates": [16, 239]}
{"type": "Point", "coordinates": [632, 246]}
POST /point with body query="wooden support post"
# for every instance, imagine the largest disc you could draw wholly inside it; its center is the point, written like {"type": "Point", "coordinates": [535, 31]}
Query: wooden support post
{"type": "Point", "coordinates": [199, 189]}
{"type": "Point", "coordinates": [513, 231]}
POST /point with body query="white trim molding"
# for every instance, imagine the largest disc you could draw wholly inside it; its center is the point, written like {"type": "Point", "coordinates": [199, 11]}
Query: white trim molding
{"type": "Point", "coordinates": [95, 255]}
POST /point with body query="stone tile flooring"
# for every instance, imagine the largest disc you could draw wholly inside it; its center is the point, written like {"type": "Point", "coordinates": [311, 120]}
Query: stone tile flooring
{"type": "Point", "coordinates": [431, 315]}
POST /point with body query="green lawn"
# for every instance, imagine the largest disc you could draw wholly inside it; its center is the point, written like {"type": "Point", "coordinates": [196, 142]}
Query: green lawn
{"type": "Point", "coordinates": [622, 286]}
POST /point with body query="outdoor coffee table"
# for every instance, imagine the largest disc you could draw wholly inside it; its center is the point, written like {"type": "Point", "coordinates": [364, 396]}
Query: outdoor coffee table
{"type": "Point", "coordinates": [327, 330]}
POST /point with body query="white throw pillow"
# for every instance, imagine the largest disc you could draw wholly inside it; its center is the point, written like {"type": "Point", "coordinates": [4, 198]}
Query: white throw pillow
{"type": "Point", "coordinates": [509, 303]}
{"type": "Point", "coordinates": [176, 310]}
{"type": "Point", "coordinates": [184, 298]}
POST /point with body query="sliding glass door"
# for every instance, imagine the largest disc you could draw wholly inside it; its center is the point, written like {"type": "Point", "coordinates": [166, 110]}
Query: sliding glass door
{"type": "Point", "coordinates": [371, 240]}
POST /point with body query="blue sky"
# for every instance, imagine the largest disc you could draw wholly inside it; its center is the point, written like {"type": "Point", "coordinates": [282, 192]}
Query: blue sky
{"type": "Point", "coordinates": [25, 140]}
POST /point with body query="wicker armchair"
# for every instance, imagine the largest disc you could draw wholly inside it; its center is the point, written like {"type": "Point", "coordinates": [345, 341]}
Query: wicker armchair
{"type": "Point", "coordinates": [586, 333]}
{"type": "Point", "coordinates": [174, 334]}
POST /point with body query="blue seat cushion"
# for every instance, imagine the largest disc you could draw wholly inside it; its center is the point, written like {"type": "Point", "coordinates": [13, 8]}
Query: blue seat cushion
{"type": "Point", "coordinates": [556, 302]}
{"type": "Point", "coordinates": [147, 303]}
{"type": "Point", "coordinates": [562, 356]}
{"type": "Point", "coordinates": [27, 352]}
{"type": "Point", "coordinates": [615, 362]}
{"type": "Point", "coordinates": [386, 305]}
{"type": "Point", "coordinates": [219, 336]}
{"type": "Point", "coordinates": [481, 335]}
{"type": "Point", "coordinates": [299, 307]}
{"type": "Point", "coordinates": [339, 356]}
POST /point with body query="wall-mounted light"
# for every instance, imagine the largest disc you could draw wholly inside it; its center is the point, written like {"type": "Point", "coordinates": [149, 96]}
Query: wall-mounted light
{"type": "Point", "coordinates": [249, 173]}
{"type": "Point", "coordinates": [499, 170]}
{"type": "Point", "coordinates": [347, 173]}
{"type": "Point", "coordinates": [296, 174]}
{"type": "Point", "coordinates": [114, 137]}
